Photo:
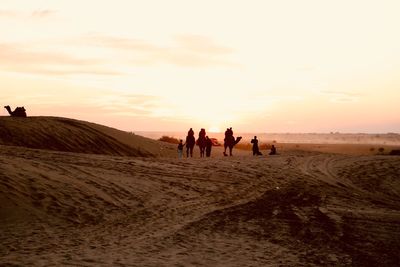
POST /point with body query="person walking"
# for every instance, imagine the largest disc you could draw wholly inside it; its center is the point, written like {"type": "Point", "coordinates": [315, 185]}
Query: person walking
{"type": "Point", "coordinates": [208, 146]}
{"type": "Point", "coordinates": [190, 142]}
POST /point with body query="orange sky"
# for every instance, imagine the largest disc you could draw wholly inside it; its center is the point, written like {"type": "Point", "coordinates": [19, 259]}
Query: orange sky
{"type": "Point", "coordinates": [258, 66]}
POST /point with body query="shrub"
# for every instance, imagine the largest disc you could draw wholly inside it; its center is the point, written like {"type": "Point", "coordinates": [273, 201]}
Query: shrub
{"type": "Point", "coordinates": [249, 146]}
{"type": "Point", "coordinates": [381, 149]}
{"type": "Point", "coordinates": [244, 146]}
{"type": "Point", "coordinates": [264, 147]}
{"type": "Point", "coordinates": [169, 139]}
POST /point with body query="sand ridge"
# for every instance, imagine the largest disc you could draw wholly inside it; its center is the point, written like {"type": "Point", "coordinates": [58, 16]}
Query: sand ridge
{"type": "Point", "coordinates": [69, 135]}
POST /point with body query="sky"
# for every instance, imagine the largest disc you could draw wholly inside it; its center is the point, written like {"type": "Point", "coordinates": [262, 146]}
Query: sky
{"type": "Point", "coordinates": [256, 66]}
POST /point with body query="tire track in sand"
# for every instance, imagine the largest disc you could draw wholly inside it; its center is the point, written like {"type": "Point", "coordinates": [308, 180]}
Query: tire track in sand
{"type": "Point", "coordinates": [323, 167]}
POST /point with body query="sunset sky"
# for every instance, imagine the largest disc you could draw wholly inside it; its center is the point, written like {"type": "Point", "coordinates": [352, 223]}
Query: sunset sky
{"type": "Point", "coordinates": [258, 66]}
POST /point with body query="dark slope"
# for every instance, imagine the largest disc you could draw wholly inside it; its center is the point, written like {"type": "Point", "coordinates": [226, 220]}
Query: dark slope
{"type": "Point", "coordinates": [69, 135]}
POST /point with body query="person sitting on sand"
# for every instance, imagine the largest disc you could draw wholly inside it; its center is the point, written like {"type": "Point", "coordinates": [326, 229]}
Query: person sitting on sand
{"type": "Point", "coordinates": [256, 150]}
{"type": "Point", "coordinates": [273, 150]}
{"type": "Point", "coordinates": [180, 149]}
{"type": "Point", "coordinates": [208, 146]}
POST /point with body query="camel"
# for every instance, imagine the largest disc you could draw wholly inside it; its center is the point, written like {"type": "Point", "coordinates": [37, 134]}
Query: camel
{"type": "Point", "coordinates": [230, 142]}
{"type": "Point", "coordinates": [18, 112]}
{"type": "Point", "coordinates": [201, 142]}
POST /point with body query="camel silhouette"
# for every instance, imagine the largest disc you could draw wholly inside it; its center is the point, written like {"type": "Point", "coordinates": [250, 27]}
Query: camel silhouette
{"type": "Point", "coordinates": [201, 142]}
{"type": "Point", "coordinates": [18, 112]}
{"type": "Point", "coordinates": [230, 142]}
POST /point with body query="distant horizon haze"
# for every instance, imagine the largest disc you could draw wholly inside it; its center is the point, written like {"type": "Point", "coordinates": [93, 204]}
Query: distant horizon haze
{"type": "Point", "coordinates": [305, 138]}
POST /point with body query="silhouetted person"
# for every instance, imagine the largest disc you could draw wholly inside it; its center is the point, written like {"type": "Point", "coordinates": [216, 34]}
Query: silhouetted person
{"type": "Point", "coordinates": [190, 142]}
{"type": "Point", "coordinates": [208, 146]}
{"type": "Point", "coordinates": [273, 150]}
{"type": "Point", "coordinates": [228, 134]}
{"type": "Point", "coordinates": [202, 133]}
{"type": "Point", "coordinates": [256, 150]}
{"type": "Point", "coordinates": [180, 149]}
{"type": "Point", "coordinates": [190, 132]}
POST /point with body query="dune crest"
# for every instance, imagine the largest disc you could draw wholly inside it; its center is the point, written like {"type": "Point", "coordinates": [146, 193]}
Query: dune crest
{"type": "Point", "coordinates": [69, 135]}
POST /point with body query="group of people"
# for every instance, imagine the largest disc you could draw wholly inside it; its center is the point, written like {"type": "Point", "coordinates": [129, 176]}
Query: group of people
{"type": "Point", "coordinates": [205, 143]}
{"type": "Point", "coordinates": [256, 149]}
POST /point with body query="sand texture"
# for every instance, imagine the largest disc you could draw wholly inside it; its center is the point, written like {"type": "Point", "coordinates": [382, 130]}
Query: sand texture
{"type": "Point", "coordinates": [129, 201]}
{"type": "Point", "coordinates": [62, 134]}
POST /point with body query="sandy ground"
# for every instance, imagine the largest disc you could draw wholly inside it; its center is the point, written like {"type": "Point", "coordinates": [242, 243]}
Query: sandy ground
{"type": "Point", "coordinates": [299, 208]}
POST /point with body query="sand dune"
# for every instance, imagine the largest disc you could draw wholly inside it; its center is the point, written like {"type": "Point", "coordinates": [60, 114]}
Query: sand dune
{"type": "Point", "coordinates": [70, 135]}
{"type": "Point", "coordinates": [296, 209]}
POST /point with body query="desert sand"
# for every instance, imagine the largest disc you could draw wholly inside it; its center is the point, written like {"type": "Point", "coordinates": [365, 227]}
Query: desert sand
{"type": "Point", "coordinates": [80, 194]}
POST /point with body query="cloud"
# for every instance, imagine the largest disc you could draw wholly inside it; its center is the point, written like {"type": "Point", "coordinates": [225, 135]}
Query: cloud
{"type": "Point", "coordinates": [17, 58]}
{"type": "Point", "coordinates": [201, 45]}
{"type": "Point", "coordinates": [329, 92]}
{"type": "Point", "coordinates": [50, 59]}
{"type": "Point", "coordinates": [20, 54]}
{"type": "Point", "coordinates": [120, 43]}
{"type": "Point", "coordinates": [127, 104]}
{"type": "Point", "coordinates": [67, 72]}
{"type": "Point", "coordinates": [185, 51]}
{"type": "Point", "coordinates": [306, 68]}
{"type": "Point", "coordinates": [36, 14]}
{"type": "Point", "coordinates": [44, 13]}
{"type": "Point", "coordinates": [341, 97]}
{"type": "Point", "coordinates": [8, 13]}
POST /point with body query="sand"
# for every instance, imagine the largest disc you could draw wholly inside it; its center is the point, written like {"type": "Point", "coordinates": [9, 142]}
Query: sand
{"type": "Point", "coordinates": [299, 208]}
{"type": "Point", "coordinates": [69, 135]}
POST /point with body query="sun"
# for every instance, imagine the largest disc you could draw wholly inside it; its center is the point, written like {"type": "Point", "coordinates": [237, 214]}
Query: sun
{"type": "Point", "coordinates": [214, 129]}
